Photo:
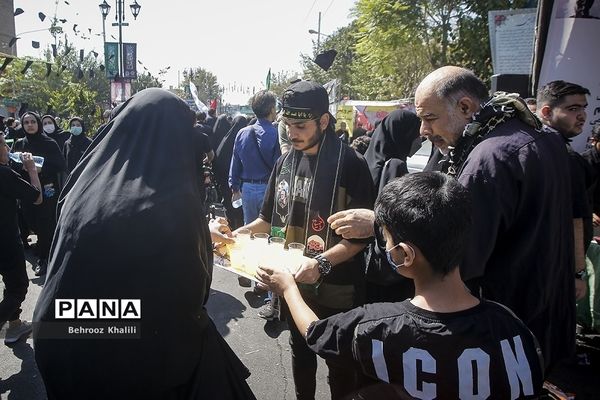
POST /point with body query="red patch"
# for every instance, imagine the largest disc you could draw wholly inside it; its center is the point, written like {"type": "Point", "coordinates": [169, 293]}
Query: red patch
{"type": "Point", "coordinates": [317, 223]}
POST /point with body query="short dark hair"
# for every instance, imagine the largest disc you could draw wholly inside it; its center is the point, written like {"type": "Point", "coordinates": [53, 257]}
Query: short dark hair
{"type": "Point", "coordinates": [460, 84]}
{"type": "Point", "coordinates": [200, 116]}
{"type": "Point", "coordinates": [553, 93]}
{"type": "Point", "coordinates": [432, 211]}
{"type": "Point", "coordinates": [263, 102]}
{"type": "Point", "coordinates": [212, 112]}
{"type": "Point", "coordinates": [9, 121]}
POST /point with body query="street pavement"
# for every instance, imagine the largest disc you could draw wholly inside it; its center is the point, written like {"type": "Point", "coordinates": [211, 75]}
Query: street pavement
{"type": "Point", "coordinates": [262, 346]}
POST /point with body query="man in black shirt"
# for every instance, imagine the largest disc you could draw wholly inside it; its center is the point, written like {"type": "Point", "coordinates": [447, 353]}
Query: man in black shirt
{"type": "Point", "coordinates": [444, 343]}
{"type": "Point", "coordinates": [318, 177]}
{"type": "Point", "coordinates": [12, 257]}
{"type": "Point", "coordinates": [561, 107]}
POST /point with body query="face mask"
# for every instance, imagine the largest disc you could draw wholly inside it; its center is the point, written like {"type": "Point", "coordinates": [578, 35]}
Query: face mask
{"type": "Point", "coordinates": [76, 130]}
{"type": "Point", "coordinates": [388, 254]}
{"type": "Point", "coordinates": [49, 128]}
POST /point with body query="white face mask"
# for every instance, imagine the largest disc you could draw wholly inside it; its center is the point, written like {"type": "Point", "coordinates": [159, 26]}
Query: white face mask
{"type": "Point", "coordinates": [49, 128]}
{"type": "Point", "coordinates": [76, 130]}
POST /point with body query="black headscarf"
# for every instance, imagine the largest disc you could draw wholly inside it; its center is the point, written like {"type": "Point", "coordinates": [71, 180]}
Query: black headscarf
{"type": "Point", "coordinates": [392, 139]}
{"type": "Point", "coordinates": [224, 152]}
{"type": "Point", "coordinates": [222, 126]}
{"type": "Point", "coordinates": [76, 145]}
{"type": "Point", "coordinates": [131, 227]}
{"type": "Point", "coordinates": [39, 144]}
{"type": "Point", "coordinates": [59, 135]}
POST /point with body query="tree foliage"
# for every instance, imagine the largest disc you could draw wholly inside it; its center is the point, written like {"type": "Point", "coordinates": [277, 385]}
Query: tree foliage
{"type": "Point", "coordinates": [391, 45]}
{"type": "Point", "coordinates": [206, 83]}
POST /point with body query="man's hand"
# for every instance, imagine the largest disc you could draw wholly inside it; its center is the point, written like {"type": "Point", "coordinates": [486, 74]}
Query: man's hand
{"type": "Point", "coordinates": [595, 220]}
{"type": "Point", "coordinates": [219, 231]}
{"type": "Point", "coordinates": [236, 196]}
{"type": "Point", "coordinates": [277, 280]}
{"type": "Point", "coordinates": [353, 224]}
{"type": "Point", "coordinates": [308, 272]}
{"type": "Point", "coordinates": [28, 164]}
{"type": "Point", "coordinates": [580, 289]}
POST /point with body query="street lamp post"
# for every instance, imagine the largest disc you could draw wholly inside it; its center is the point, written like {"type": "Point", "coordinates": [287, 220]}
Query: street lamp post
{"type": "Point", "coordinates": [119, 17]}
{"type": "Point", "coordinates": [104, 10]}
{"type": "Point", "coordinates": [318, 33]}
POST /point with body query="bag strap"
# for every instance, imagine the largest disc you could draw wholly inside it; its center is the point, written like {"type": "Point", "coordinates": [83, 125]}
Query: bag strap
{"type": "Point", "coordinates": [253, 133]}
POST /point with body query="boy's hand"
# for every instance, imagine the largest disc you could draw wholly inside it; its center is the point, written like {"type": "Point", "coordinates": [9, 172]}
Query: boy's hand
{"type": "Point", "coordinates": [277, 280]}
{"type": "Point", "coordinates": [220, 231]}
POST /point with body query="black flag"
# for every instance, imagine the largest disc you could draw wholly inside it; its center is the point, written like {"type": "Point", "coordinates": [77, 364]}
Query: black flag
{"type": "Point", "coordinates": [48, 69]}
{"type": "Point", "coordinates": [325, 59]}
{"type": "Point", "coordinates": [54, 52]}
{"type": "Point", "coordinates": [81, 55]}
{"type": "Point", "coordinates": [18, 11]}
{"type": "Point", "coordinates": [12, 41]}
{"type": "Point", "coordinates": [7, 61]}
{"type": "Point", "coordinates": [27, 65]}
{"type": "Point", "coordinates": [35, 45]}
{"type": "Point", "coordinates": [42, 16]}
{"type": "Point", "coordinates": [79, 73]}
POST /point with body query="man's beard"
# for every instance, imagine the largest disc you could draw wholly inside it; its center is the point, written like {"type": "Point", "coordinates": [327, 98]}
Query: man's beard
{"type": "Point", "coordinates": [315, 140]}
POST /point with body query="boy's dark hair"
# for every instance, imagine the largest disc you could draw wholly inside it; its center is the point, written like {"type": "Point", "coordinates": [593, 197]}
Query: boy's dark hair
{"type": "Point", "coordinates": [263, 102]}
{"type": "Point", "coordinates": [432, 211]}
{"type": "Point", "coordinates": [9, 121]}
{"type": "Point", "coordinates": [553, 92]}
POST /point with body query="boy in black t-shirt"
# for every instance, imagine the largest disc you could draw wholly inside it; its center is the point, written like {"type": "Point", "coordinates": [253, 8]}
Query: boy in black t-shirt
{"type": "Point", "coordinates": [443, 343]}
{"type": "Point", "coordinates": [12, 259]}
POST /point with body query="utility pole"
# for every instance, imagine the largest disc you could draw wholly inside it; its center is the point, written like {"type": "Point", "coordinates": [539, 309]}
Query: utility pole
{"type": "Point", "coordinates": [319, 33]}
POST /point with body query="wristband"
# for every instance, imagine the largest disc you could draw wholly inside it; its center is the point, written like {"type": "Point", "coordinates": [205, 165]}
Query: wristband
{"type": "Point", "coordinates": [581, 274]}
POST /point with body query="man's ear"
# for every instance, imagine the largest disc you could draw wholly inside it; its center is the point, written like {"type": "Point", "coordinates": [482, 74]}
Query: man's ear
{"type": "Point", "coordinates": [467, 106]}
{"type": "Point", "coordinates": [545, 112]}
{"type": "Point", "coordinates": [324, 121]}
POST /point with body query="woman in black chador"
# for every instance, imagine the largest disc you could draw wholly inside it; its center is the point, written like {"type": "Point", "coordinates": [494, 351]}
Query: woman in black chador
{"type": "Point", "coordinates": [131, 226]}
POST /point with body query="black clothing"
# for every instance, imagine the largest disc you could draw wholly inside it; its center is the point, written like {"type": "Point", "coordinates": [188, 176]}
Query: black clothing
{"type": "Point", "coordinates": [521, 249]}
{"type": "Point", "coordinates": [203, 146]}
{"type": "Point", "coordinates": [343, 135]}
{"type": "Point", "coordinates": [358, 132]}
{"type": "Point", "coordinates": [391, 143]}
{"type": "Point", "coordinates": [14, 134]}
{"type": "Point", "coordinates": [221, 165]}
{"type": "Point", "coordinates": [342, 376]}
{"type": "Point", "coordinates": [210, 121]}
{"type": "Point", "coordinates": [60, 136]}
{"type": "Point", "coordinates": [386, 157]}
{"type": "Point", "coordinates": [130, 227]}
{"type": "Point", "coordinates": [12, 257]}
{"type": "Point", "coordinates": [355, 191]}
{"type": "Point", "coordinates": [592, 157]}
{"type": "Point", "coordinates": [74, 149]}
{"type": "Point", "coordinates": [12, 188]}
{"type": "Point", "coordinates": [432, 355]}
{"type": "Point", "coordinates": [42, 218]}
{"type": "Point", "coordinates": [581, 181]}
{"type": "Point", "coordinates": [222, 126]}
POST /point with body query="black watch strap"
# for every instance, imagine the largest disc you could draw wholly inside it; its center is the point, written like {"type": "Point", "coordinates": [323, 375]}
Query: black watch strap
{"type": "Point", "coordinates": [324, 265]}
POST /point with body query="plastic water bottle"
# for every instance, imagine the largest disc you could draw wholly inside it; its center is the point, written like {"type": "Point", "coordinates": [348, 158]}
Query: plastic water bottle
{"type": "Point", "coordinates": [16, 157]}
{"type": "Point", "coordinates": [237, 203]}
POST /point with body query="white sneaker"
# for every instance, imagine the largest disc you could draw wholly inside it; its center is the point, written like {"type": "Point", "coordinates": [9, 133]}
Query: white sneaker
{"type": "Point", "coordinates": [17, 332]}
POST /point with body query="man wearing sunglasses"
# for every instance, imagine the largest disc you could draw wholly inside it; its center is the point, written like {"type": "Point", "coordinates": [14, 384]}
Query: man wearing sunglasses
{"type": "Point", "coordinates": [442, 343]}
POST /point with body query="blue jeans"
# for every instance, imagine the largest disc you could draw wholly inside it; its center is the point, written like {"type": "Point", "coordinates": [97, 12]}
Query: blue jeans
{"type": "Point", "coordinates": [252, 199]}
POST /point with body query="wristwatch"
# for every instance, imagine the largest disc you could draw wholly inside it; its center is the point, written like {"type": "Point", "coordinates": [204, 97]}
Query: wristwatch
{"type": "Point", "coordinates": [324, 265]}
{"type": "Point", "coordinates": [581, 274]}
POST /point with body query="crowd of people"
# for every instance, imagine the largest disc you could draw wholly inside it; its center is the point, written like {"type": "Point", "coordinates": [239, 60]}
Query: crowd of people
{"type": "Point", "coordinates": [459, 281]}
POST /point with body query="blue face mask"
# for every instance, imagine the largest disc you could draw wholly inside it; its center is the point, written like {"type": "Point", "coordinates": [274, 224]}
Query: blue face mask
{"type": "Point", "coordinates": [76, 130]}
{"type": "Point", "coordinates": [388, 254]}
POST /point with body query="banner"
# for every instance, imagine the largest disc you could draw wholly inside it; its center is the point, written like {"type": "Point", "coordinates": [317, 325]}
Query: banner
{"type": "Point", "coordinates": [130, 60]}
{"type": "Point", "coordinates": [573, 33]}
{"type": "Point", "coordinates": [111, 59]}
{"type": "Point", "coordinates": [194, 91]}
{"type": "Point", "coordinates": [119, 91]}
